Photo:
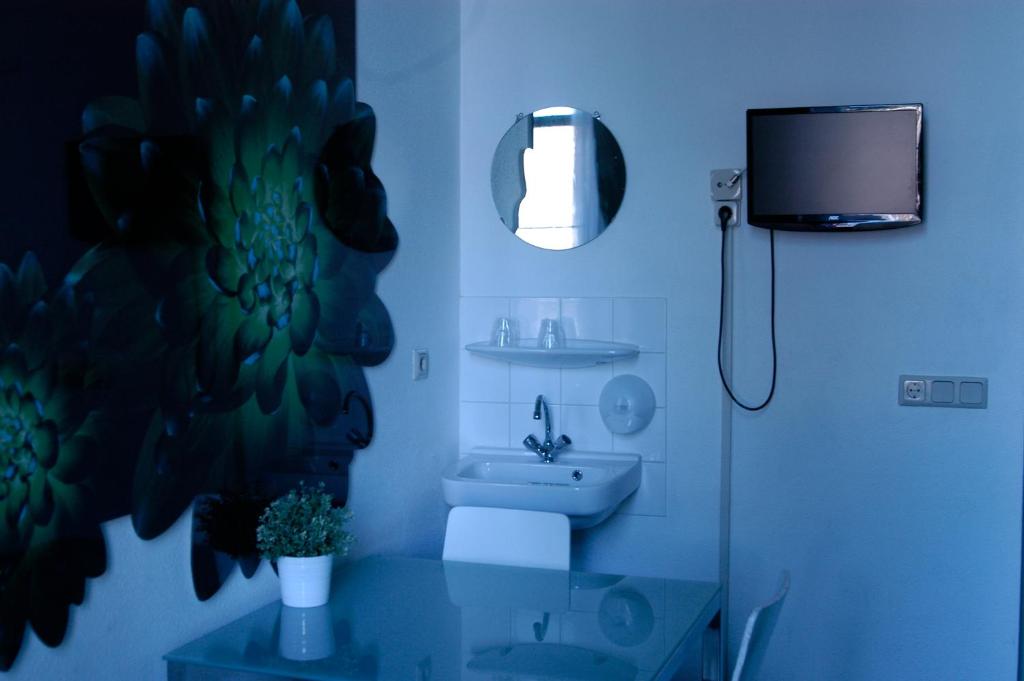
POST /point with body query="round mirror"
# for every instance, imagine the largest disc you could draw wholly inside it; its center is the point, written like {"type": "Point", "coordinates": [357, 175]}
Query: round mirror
{"type": "Point", "coordinates": [558, 178]}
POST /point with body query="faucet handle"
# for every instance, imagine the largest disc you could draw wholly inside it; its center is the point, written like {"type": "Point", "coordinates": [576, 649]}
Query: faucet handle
{"type": "Point", "coordinates": [562, 441]}
{"type": "Point", "coordinates": [530, 442]}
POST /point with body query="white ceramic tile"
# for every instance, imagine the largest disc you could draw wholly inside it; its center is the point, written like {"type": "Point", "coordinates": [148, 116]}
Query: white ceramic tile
{"type": "Point", "coordinates": [589, 318]}
{"type": "Point", "coordinates": [649, 443]}
{"type": "Point", "coordinates": [482, 379]}
{"type": "Point", "coordinates": [527, 314]}
{"type": "Point", "coordinates": [584, 386]}
{"type": "Point", "coordinates": [477, 316]}
{"type": "Point", "coordinates": [528, 382]}
{"type": "Point", "coordinates": [641, 321]}
{"type": "Point", "coordinates": [482, 424]}
{"type": "Point", "coordinates": [585, 427]}
{"type": "Point", "coordinates": [649, 499]}
{"type": "Point", "coordinates": [522, 423]}
{"type": "Point", "coordinates": [649, 366]}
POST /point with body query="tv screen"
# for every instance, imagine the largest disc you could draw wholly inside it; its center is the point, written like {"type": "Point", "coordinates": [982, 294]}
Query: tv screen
{"type": "Point", "coordinates": [834, 168]}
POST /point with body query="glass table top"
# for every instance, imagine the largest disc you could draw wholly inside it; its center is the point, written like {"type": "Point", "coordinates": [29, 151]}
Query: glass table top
{"type": "Point", "coordinates": [414, 620]}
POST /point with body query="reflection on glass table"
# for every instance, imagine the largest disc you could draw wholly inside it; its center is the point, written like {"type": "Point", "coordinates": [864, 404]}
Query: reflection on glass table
{"type": "Point", "coordinates": [402, 619]}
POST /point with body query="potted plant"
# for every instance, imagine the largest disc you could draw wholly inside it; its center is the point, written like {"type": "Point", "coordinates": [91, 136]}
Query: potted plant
{"type": "Point", "coordinates": [303, 531]}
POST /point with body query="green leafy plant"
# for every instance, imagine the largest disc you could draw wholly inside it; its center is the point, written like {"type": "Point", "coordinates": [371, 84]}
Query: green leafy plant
{"type": "Point", "coordinates": [302, 524]}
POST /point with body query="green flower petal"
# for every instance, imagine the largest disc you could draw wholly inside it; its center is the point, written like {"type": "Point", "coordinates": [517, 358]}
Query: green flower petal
{"type": "Point", "coordinates": [42, 381]}
{"type": "Point", "coordinates": [68, 322]}
{"type": "Point", "coordinates": [164, 19]}
{"type": "Point", "coordinates": [306, 260]}
{"type": "Point", "coordinates": [17, 498]}
{"type": "Point", "coordinates": [37, 339]}
{"type": "Point", "coordinates": [303, 222]}
{"type": "Point", "coordinates": [8, 303]}
{"type": "Point", "coordinates": [31, 282]}
{"type": "Point", "coordinates": [279, 310]}
{"type": "Point", "coordinates": [188, 297]}
{"type": "Point", "coordinates": [13, 368]}
{"type": "Point", "coordinates": [240, 189]}
{"type": "Point", "coordinates": [216, 371]}
{"type": "Point", "coordinates": [250, 135]}
{"type": "Point", "coordinates": [304, 321]}
{"type": "Point", "coordinates": [244, 232]}
{"type": "Point", "coordinates": [123, 112]}
{"type": "Point", "coordinates": [45, 443]}
{"type": "Point", "coordinates": [203, 69]}
{"type": "Point", "coordinates": [66, 409]}
{"type": "Point", "coordinates": [224, 269]}
{"type": "Point", "coordinates": [272, 374]}
{"type": "Point", "coordinates": [40, 498]}
{"type": "Point", "coordinates": [252, 336]}
{"type": "Point", "coordinates": [314, 111]}
{"type": "Point", "coordinates": [270, 167]}
{"type": "Point", "coordinates": [277, 122]}
{"type": "Point", "coordinates": [343, 105]}
{"type": "Point", "coordinates": [320, 49]}
{"type": "Point", "coordinates": [218, 130]}
{"type": "Point", "coordinates": [291, 156]}
{"type": "Point", "coordinates": [254, 65]}
{"type": "Point", "coordinates": [282, 27]}
{"type": "Point", "coordinates": [247, 292]}
{"type": "Point", "coordinates": [177, 389]}
{"type": "Point", "coordinates": [78, 457]}
{"type": "Point", "coordinates": [29, 410]}
{"type": "Point", "coordinates": [318, 387]}
{"type": "Point", "coordinates": [158, 93]}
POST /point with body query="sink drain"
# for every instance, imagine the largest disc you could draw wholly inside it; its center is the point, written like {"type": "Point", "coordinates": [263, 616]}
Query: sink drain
{"type": "Point", "coordinates": [577, 475]}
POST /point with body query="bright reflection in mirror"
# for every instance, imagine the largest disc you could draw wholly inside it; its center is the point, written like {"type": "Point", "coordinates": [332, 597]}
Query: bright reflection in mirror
{"type": "Point", "coordinates": [558, 178]}
{"type": "Point", "coordinates": [547, 214]}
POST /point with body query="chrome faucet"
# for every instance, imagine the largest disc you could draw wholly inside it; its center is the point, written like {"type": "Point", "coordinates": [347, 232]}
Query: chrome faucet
{"type": "Point", "coordinates": [545, 450]}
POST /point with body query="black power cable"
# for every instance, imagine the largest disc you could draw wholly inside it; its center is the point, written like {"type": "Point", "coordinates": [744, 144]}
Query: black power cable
{"type": "Point", "coordinates": [724, 215]}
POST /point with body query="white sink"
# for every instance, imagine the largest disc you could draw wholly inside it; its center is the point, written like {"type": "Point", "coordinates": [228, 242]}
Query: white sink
{"type": "Point", "coordinates": [586, 486]}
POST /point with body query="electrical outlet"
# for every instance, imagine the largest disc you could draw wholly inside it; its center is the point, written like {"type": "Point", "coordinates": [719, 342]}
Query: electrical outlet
{"type": "Point", "coordinates": [733, 220]}
{"type": "Point", "coordinates": [913, 391]}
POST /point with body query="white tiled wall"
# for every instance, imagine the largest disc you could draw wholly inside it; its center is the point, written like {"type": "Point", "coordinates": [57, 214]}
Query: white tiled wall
{"type": "Point", "coordinates": [496, 398]}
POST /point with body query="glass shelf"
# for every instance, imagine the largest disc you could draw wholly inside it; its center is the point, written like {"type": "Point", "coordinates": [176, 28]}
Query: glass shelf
{"type": "Point", "coordinates": [576, 354]}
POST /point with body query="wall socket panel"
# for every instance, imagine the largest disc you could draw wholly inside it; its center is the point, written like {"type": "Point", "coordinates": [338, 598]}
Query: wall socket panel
{"type": "Point", "coordinates": [726, 190]}
{"type": "Point", "coordinates": [727, 184]}
{"type": "Point", "coordinates": [963, 392]}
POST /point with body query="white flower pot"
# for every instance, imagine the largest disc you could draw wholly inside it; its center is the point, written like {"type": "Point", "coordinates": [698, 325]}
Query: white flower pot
{"type": "Point", "coordinates": [305, 582]}
{"type": "Point", "coordinates": [306, 633]}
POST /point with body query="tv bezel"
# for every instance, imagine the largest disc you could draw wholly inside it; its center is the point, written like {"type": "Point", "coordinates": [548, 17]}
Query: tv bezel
{"type": "Point", "coordinates": [834, 222]}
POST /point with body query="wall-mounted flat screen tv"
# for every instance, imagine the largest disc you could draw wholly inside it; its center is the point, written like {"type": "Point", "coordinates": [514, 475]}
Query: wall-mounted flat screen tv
{"type": "Point", "coordinates": [834, 168]}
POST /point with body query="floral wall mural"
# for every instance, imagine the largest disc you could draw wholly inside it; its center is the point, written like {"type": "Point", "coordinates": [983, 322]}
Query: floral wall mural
{"type": "Point", "coordinates": [210, 333]}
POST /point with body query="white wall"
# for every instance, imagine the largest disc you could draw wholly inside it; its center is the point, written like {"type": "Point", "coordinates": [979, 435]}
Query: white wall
{"type": "Point", "coordinates": [144, 605]}
{"type": "Point", "coordinates": [408, 70]}
{"type": "Point", "coordinates": [901, 526]}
